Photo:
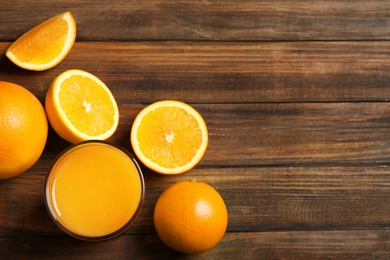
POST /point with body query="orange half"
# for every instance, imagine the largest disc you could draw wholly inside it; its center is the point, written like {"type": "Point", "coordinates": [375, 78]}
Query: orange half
{"type": "Point", "coordinates": [169, 137]}
{"type": "Point", "coordinates": [46, 45]}
{"type": "Point", "coordinates": [81, 107]}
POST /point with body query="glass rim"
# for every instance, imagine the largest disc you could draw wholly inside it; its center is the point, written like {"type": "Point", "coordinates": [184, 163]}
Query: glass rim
{"type": "Point", "coordinates": [47, 197]}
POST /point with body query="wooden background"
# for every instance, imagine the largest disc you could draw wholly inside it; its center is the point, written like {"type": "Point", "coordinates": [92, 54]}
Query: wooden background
{"type": "Point", "coordinates": [296, 98]}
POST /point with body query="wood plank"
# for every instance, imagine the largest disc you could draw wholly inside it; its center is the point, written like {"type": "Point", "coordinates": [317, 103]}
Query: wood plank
{"type": "Point", "coordinates": [225, 72]}
{"type": "Point", "coordinates": [352, 244]}
{"type": "Point", "coordinates": [257, 198]}
{"type": "Point", "coordinates": [287, 133]}
{"type": "Point", "coordinates": [279, 134]}
{"type": "Point", "coordinates": [222, 20]}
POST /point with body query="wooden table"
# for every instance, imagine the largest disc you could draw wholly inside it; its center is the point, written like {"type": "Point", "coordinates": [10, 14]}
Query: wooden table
{"type": "Point", "coordinates": [295, 95]}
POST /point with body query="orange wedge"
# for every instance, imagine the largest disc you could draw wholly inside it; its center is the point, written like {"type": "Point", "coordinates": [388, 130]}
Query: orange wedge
{"type": "Point", "coordinates": [46, 45]}
{"type": "Point", "coordinates": [169, 137]}
{"type": "Point", "coordinates": [80, 107]}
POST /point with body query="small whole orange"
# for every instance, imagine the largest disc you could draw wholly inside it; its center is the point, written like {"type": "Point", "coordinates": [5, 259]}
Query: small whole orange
{"type": "Point", "coordinates": [23, 129]}
{"type": "Point", "coordinates": [190, 217]}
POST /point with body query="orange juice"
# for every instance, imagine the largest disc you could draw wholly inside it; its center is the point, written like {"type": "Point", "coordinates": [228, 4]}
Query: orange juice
{"type": "Point", "coordinates": [94, 190]}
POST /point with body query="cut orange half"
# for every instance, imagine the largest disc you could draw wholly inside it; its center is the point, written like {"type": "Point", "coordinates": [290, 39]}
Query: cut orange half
{"type": "Point", "coordinates": [169, 137]}
{"type": "Point", "coordinates": [46, 45]}
{"type": "Point", "coordinates": [80, 107]}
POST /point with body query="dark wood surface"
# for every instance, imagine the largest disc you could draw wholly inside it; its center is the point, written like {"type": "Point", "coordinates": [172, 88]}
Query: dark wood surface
{"type": "Point", "coordinates": [296, 98]}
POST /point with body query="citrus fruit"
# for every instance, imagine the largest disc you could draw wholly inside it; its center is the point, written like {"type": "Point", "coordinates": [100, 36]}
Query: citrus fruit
{"type": "Point", "coordinates": [23, 129]}
{"type": "Point", "coordinates": [81, 107]}
{"type": "Point", "coordinates": [169, 137]}
{"type": "Point", "coordinates": [190, 217]}
{"type": "Point", "coordinates": [46, 45]}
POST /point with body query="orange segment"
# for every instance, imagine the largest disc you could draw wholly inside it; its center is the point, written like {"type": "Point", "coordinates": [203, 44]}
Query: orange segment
{"type": "Point", "coordinates": [81, 107]}
{"type": "Point", "coordinates": [169, 137]}
{"type": "Point", "coordinates": [46, 45]}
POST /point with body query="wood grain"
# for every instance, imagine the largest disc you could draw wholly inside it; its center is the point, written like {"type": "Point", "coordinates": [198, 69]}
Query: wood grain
{"type": "Point", "coordinates": [144, 72]}
{"type": "Point", "coordinates": [214, 20]}
{"type": "Point", "coordinates": [255, 245]}
{"type": "Point", "coordinates": [295, 95]}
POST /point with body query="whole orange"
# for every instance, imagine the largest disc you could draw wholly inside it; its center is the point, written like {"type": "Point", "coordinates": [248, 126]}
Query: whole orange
{"type": "Point", "coordinates": [23, 129]}
{"type": "Point", "coordinates": [190, 217]}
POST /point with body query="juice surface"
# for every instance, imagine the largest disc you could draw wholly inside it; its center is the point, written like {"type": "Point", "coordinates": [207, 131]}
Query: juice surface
{"type": "Point", "coordinates": [94, 189]}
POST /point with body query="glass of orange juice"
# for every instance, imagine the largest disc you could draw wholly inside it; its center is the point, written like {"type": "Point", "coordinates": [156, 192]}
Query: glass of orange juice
{"type": "Point", "coordinates": [94, 190]}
